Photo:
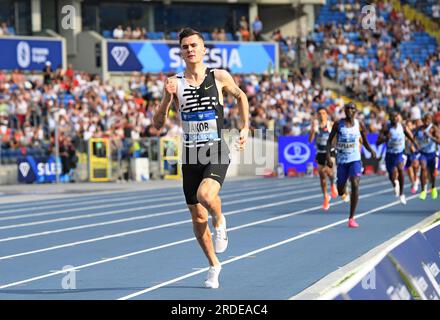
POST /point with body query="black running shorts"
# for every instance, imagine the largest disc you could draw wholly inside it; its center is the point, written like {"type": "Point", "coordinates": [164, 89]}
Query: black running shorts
{"type": "Point", "coordinates": [213, 164]}
{"type": "Point", "coordinates": [193, 174]}
{"type": "Point", "coordinates": [321, 158]}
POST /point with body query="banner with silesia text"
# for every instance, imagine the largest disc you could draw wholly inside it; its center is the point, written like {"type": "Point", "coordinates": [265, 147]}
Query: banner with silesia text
{"type": "Point", "coordinates": [164, 56]}
{"type": "Point", "coordinates": [39, 170]}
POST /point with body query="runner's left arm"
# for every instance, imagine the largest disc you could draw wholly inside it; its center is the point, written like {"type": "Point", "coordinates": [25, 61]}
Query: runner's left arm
{"type": "Point", "coordinates": [332, 135]}
{"type": "Point", "coordinates": [434, 135]}
{"type": "Point", "coordinates": [365, 141]}
{"type": "Point", "coordinates": [382, 135]}
{"type": "Point", "coordinates": [231, 88]}
{"type": "Point", "coordinates": [410, 137]}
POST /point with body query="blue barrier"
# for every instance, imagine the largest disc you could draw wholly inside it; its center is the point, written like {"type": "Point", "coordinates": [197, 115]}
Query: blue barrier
{"type": "Point", "coordinates": [40, 170]}
{"type": "Point", "coordinates": [420, 263]}
{"type": "Point", "coordinates": [28, 53]}
{"type": "Point", "coordinates": [296, 152]}
{"type": "Point", "coordinates": [411, 264]}
{"type": "Point", "coordinates": [383, 282]}
{"type": "Point", "coordinates": [432, 235]}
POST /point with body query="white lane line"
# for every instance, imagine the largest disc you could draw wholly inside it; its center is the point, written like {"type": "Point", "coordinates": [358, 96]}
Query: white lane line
{"type": "Point", "coordinates": [147, 195]}
{"type": "Point", "coordinates": [157, 199]}
{"type": "Point", "coordinates": [230, 185]}
{"type": "Point", "coordinates": [158, 247]}
{"type": "Point", "coordinates": [122, 234]}
{"type": "Point", "coordinates": [93, 215]}
{"type": "Point", "coordinates": [113, 212]}
{"type": "Point", "coordinates": [136, 217]}
{"type": "Point", "coordinates": [266, 248]}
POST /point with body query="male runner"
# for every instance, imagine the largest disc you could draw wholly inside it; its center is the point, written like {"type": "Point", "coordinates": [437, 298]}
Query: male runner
{"type": "Point", "coordinates": [427, 136]}
{"type": "Point", "coordinates": [321, 131]}
{"type": "Point", "coordinates": [412, 161]}
{"type": "Point", "coordinates": [437, 161]}
{"type": "Point", "coordinates": [197, 95]}
{"type": "Point", "coordinates": [348, 132]}
{"type": "Point", "coordinates": [394, 135]}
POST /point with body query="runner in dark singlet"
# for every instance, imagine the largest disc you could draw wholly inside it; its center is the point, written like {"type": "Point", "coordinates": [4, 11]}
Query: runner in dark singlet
{"type": "Point", "coordinates": [198, 96]}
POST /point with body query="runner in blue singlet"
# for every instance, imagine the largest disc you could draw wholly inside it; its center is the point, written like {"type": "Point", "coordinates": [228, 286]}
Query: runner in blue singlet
{"type": "Point", "coordinates": [348, 133]}
{"type": "Point", "coordinates": [394, 134]}
{"type": "Point", "coordinates": [427, 136]}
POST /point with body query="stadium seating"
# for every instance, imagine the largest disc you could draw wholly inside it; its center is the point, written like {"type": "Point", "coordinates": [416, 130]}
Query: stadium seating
{"type": "Point", "coordinates": [108, 34]}
{"type": "Point", "coordinates": [11, 30]}
{"type": "Point", "coordinates": [173, 35]}
{"type": "Point", "coordinates": [155, 35]}
{"type": "Point", "coordinates": [424, 6]}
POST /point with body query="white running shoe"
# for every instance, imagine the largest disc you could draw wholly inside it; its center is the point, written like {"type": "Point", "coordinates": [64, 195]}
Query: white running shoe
{"type": "Point", "coordinates": [416, 185]}
{"type": "Point", "coordinates": [402, 199]}
{"type": "Point", "coordinates": [212, 277]}
{"type": "Point", "coordinates": [220, 237]}
{"type": "Point", "coordinates": [396, 188]}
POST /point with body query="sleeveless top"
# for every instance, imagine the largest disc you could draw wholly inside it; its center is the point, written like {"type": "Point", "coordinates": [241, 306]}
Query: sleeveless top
{"type": "Point", "coordinates": [322, 137]}
{"type": "Point", "coordinates": [426, 144]}
{"type": "Point", "coordinates": [396, 144]}
{"type": "Point", "coordinates": [200, 111]}
{"type": "Point", "coordinates": [348, 146]}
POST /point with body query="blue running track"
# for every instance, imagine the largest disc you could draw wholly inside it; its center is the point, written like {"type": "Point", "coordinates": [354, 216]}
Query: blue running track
{"type": "Point", "coordinates": [140, 244]}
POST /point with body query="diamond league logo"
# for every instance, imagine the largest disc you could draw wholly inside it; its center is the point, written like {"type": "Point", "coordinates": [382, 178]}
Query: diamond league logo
{"type": "Point", "coordinates": [120, 54]}
{"type": "Point", "coordinates": [297, 152]}
{"type": "Point", "coordinates": [23, 54]}
{"type": "Point", "coordinates": [24, 168]}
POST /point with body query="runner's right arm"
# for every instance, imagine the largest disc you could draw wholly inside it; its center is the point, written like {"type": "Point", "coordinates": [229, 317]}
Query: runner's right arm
{"type": "Point", "coordinates": [312, 131]}
{"type": "Point", "coordinates": [335, 129]}
{"type": "Point", "coordinates": [382, 135]}
{"type": "Point", "coordinates": [363, 130]}
{"type": "Point", "coordinates": [161, 113]}
{"type": "Point", "coordinates": [410, 137]}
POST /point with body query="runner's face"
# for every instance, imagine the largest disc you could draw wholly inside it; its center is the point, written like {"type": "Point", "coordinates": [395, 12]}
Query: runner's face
{"type": "Point", "coordinates": [192, 49]}
{"type": "Point", "coordinates": [350, 112]}
{"type": "Point", "coordinates": [322, 115]}
{"type": "Point", "coordinates": [427, 120]}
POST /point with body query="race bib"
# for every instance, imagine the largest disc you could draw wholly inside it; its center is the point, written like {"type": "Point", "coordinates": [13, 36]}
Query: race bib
{"type": "Point", "coordinates": [395, 144]}
{"type": "Point", "coordinates": [199, 126]}
{"type": "Point", "coordinates": [346, 146]}
{"type": "Point", "coordinates": [322, 141]}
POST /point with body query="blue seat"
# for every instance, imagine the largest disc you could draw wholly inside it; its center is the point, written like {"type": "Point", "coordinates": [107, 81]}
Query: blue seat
{"type": "Point", "coordinates": [107, 34]}
{"type": "Point", "coordinates": [11, 30]}
{"type": "Point", "coordinates": [371, 52]}
{"type": "Point", "coordinates": [331, 72]}
{"type": "Point", "coordinates": [174, 35]}
{"type": "Point", "coordinates": [155, 35]}
{"type": "Point", "coordinates": [207, 36]}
